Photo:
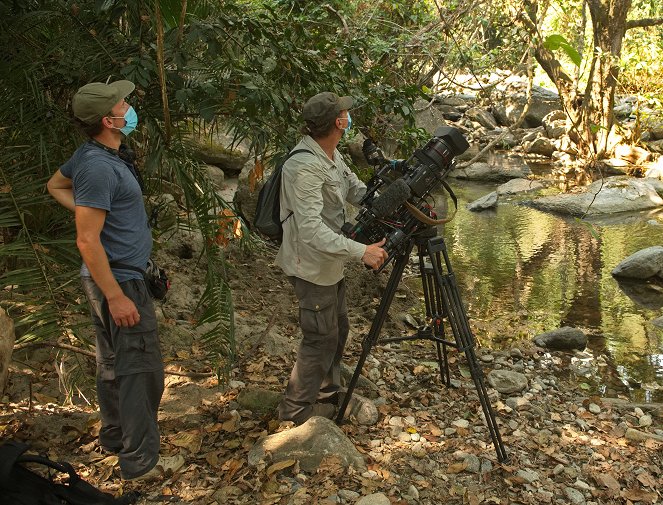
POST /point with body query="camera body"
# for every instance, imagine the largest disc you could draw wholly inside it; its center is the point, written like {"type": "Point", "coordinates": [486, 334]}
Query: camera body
{"type": "Point", "coordinates": [399, 185]}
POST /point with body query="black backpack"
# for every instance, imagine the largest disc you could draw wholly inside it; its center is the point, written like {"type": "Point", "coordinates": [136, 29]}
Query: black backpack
{"type": "Point", "coordinates": [21, 486]}
{"type": "Point", "coordinates": [268, 209]}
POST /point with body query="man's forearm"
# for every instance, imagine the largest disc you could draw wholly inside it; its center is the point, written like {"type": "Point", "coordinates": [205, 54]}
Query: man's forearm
{"type": "Point", "coordinates": [64, 196]}
{"type": "Point", "coordinates": [95, 258]}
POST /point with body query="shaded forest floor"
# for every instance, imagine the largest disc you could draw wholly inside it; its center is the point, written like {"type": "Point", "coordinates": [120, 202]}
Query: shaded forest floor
{"type": "Point", "coordinates": [430, 444]}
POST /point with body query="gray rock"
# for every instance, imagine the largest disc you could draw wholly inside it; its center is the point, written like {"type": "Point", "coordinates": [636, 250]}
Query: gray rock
{"type": "Point", "coordinates": [562, 339]}
{"type": "Point", "coordinates": [362, 410]}
{"type": "Point", "coordinates": [541, 145]}
{"type": "Point", "coordinates": [507, 382]}
{"type": "Point", "coordinates": [644, 264]}
{"type": "Point", "coordinates": [518, 186]}
{"type": "Point", "coordinates": [575, 497]}
{"type": "Point", "coordinates": [512, 105]}
{"type": "Point", "coordinates": [658, 322]}
{"type": "Point", "coordinates": [430, 118]}
{"type": "Point", "coordinates": [215, 175]}
{"type": "Point", "coordinates": [481, 116]}
{"type": "Point", "coordinates": [608, 196]}
{"type": "Point", "coordinates": [367, 387]}
{"type": "Point", "coordinates": [309, 443]}
{"type": "Point", "coordinates": [641, 436]}
{"type": "Point", "coordinates": [486, 202]}
{"type": "Point", "coordinates": [374, 499]}
{"type": "Point", "coordinates": [258, 400]}
{"type": "Point", "coordinates": [481, 171]}
{"type": "Point", "coordinates": [218, 149]}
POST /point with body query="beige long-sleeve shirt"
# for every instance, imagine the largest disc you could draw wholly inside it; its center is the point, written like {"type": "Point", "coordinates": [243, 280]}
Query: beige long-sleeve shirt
{"type": "Point", "coordinates": [315, 189]}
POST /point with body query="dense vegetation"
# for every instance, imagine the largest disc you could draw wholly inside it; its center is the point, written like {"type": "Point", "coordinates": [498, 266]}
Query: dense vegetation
{"type": "Point", "coordinates": [246, 67]}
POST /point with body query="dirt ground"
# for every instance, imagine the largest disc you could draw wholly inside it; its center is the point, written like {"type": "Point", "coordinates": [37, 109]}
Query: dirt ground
{"type": "Point", "coordinates": [563, 446]}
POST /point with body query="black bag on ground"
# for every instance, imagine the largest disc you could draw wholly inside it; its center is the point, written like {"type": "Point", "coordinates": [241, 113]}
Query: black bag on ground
{"type": "Point", "coordinates": [156, 280]}
{"type": "Point", "coordinates": [268, 209]}
{"type": "Point", "coordinates": [21, 486]}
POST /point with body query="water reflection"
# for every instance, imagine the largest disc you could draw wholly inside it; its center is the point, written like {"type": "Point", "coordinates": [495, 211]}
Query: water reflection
{"type": "Point", "coordinates": [523, 272]}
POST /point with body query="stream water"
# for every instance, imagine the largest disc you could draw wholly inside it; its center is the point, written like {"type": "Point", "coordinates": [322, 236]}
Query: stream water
{"type": "Point", "coordinates": [523, 272]}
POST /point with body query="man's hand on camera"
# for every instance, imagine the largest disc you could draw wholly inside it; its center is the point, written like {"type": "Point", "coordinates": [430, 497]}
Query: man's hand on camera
{"type": "Point", "coordinates": [375, 256]}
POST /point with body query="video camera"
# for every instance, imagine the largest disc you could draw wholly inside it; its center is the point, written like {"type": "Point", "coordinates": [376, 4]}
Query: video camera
{"type": "Point", "coordinates": [391, 213]}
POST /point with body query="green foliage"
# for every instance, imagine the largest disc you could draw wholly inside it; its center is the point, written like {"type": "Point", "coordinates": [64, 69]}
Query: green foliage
{"type": "Point", "coordinates": [556, 41]}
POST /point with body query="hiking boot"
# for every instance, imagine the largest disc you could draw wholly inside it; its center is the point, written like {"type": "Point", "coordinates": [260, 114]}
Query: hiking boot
{"type": "Point", "coordinates": [317, 409]}
{"type": "Point", "coordinates": [165, 467]}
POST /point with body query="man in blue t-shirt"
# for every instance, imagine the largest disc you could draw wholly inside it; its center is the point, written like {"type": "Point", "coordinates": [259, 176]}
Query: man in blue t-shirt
{"type": "Point", "coordinates": [115, 242]}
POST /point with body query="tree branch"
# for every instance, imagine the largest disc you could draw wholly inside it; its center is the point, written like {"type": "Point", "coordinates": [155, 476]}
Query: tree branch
{"type": "Point", "coordinates": [643, 23]}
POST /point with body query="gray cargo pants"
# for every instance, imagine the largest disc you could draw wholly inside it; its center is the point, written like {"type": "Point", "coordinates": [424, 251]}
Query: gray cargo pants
{"type": "Point", "coordinates": [323, 318]}
{"type": "Point", "coordinates": [130, 379]}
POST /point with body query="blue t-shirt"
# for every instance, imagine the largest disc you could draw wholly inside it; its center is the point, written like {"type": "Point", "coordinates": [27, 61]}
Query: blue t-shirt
{"type": "Point", "coordinates": [102, 180]}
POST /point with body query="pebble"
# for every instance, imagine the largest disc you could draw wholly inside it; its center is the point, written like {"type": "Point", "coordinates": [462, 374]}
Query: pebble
{"type": "Point", "coordinates": [403, 436]}
{"type": "Point", "coordinates": [645, 420]}
{"type": "Point", "coordinates": [473, 463]}
{"type": "Point", "coordinates": [376, 443]}
{"type": "Point", "coordinates": [516, 402]}
{"type": "Point", "coordinates": [236, 384]}
{"type": "Point", "coordinates": [580, 484]}
{"type": "Point", "coordinates": [461, 423]}
{"type": "Point", "coordinates": [638, 412]}
{"type": "Point", "coordinates": [396, 421]}
{"type": "Point", "coordinates": [594, 408]}
{"type": "Point", "coordinates": [413, 492]}
{"type": "Point", "coordinates": [374, 499]}
{"type": "Point", "coordinates": [528, 476]}
{"type": "Point", "coordinates": [449, 431]}
{"type": "Point", "coordinates": [348, 495]}
{"type": "Point", "coordinates": [410, 421]}
{"type": "Point", "coordinates": [574, 496]}
{"type": "Point", "coordinates": [415, 437]}
{"type": "Point", "coordinates": [374, 374]}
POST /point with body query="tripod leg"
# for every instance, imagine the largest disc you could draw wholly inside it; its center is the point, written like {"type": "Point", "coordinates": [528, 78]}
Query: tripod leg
{"type": "Point", "coordinates": [458, 321]}
{"type": "Point", "coordinates": [371, 338]}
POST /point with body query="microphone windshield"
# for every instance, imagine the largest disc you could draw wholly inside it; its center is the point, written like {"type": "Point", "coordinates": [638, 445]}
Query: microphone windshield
{"type": "Point", "coordinates": [393, 197]}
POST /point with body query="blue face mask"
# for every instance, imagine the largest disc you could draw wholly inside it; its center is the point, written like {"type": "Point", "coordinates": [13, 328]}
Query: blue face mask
{"type": "Point", "coordinates": [346, 130]}
{"type": "Point", "coordinates": [130, 121]}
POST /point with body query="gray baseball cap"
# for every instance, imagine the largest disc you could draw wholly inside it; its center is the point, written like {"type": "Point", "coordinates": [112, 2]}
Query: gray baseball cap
{"type": "Point", "coordinates": [324, 107]}
{"type": "Point", "coordinates": [93, 101]}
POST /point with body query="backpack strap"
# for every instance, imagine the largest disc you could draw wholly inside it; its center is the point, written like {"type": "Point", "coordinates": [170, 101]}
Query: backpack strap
{"type": "Point", "coordinates": [12, 452]}
{"type": "Point", "coordinates": [290, 155]}
{"type": "Point", "coordinates": [9, 454]}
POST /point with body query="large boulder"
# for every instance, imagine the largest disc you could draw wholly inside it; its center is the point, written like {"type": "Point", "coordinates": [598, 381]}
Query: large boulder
{"type": "Point", "coordinates": [642, 265]}
{"type": "Point", "coordinates": [310, 443]}
{"type": "Point", "coordinates": [518, 186]}
{"type": "Point", "coordinates": [487, 172]}
{"type": "Point", "coordinates": [562, 339]}
{"type": "Point", "coordinates": [219, 149]}
{"type": "Point", "coordinates": [484, 118]}
{"type": "Point", "coordinates": [486, 202]}
{"type": "Point", "coordinates": [7, 338]}
{"type": "Point", "coordinates": [607, 196]}
{"type": "Point", "coordinates": [511, 106]}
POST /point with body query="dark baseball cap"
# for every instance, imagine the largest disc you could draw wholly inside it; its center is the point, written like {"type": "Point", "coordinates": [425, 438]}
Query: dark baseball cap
{"type": "Point", "coordinates": [93, 101]}
{"type": "Point", "coordinates": [324, 107]}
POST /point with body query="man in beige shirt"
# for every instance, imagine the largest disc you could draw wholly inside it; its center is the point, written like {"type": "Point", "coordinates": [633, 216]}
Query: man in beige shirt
{"type": "Point", "coordinates": [314, 188]}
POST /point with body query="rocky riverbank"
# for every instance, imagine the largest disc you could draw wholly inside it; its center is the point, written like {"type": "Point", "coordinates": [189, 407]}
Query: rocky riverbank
{"type": "Point", "coordinates": [428, 446]}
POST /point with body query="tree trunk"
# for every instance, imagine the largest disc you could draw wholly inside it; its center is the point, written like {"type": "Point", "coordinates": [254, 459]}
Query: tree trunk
{"type": "Point", "coordinates": [591, 112]}
{"type": "Point", "coordinates": [7, 338]}
{"type": "Point", "coordinates": [609, 26]}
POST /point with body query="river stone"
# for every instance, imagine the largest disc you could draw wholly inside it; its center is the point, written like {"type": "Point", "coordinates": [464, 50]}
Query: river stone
{"type": "Point", "coordinates": [428, 118]}
{"type": "Point", "coordinates": [218, 149]}
{"type": "Point", "coordinates": [575, 497]}
{"type": "Point", "coordinates": [607, 196]}
{"type": "Point", "coordinates": [518, 186]}
{"type": "Point", "coordinates": [481, 116]}
{"type": "Point", "coordinates": [374, 499]}
{"type": "Point", "coordinates": [258, 400]}
{"type": "Point", "coordinates": [658, 322]}
{"type": "Point", "coordinates": [309, 443]}
{"type": "Point", "coordinates": [541, 145]}
{"type": "Point", "coordinates": [7, 339]}
{"type": "Point", "coordinates": [507, 382]}
{"type": "Point", "coordinates": [644, 264]}
{"type": "Point", "coordinates": [510, 108]}
{"type": "Point", "coordinates": [486, 202]}
{"type": "Point", "coordinates": [481, 171]}
{"type": "Point", "coordinates": [562, 339]}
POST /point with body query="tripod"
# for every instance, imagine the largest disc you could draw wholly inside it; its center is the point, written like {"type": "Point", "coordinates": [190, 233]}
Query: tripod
{"type": "Point", "coordinates": [443, 302]}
